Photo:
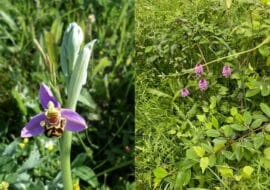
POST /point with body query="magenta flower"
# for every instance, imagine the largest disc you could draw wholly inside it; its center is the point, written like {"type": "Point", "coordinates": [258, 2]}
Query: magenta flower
{"type": "Point", "coordinates": [226, 71]}
{"type": "Point", "coordinates": [54, 120]}
{"type": "Point", "coordinates": [203, 84]}
{"type": "Point", "coordinates": [184, 92]}
{"type": "Point", "coordinates": [198, 69]}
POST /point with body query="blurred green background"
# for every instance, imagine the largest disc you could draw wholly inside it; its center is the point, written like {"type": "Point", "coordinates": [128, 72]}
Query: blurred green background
{"type": "Point", "coordinates": [102, 156]}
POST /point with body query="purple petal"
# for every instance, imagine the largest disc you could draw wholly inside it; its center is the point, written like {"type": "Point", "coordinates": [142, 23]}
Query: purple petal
{"type": "Point", "coordinates": [74, 121]}
{"type": "Point", "coordinates": [33, 127]}
{"type": "Point", "coordinates": [46, 95]}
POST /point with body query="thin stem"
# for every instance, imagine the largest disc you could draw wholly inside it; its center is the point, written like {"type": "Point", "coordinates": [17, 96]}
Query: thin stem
{"type": "Point", "coordinates": [186, 71]}
{"type": "Point", "coordinates": [65, 149]}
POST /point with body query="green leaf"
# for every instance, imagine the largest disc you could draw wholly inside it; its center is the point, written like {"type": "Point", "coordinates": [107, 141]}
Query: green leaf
{"type": "Point", "coordinates": [32, 161]}
{"type": "Point", "coordinates": [204, 161]}
{"type": "Point", "coordinates": [160, 172]}
{"type": "Point", "coordinates": [247, 117]}
{"type": "Point", "coordinates": [257, 123]}
{"type": "Point", "coordinates": [212, 160]}
{"type": "Point", "coordinates": [79, 74]}
{"type": "Point", "coordinates": [207, 147]}
{"type": "Point", "coordinates": [102, 64]}
{"type": "Point", "coordinates": [238, 127]}
{"type": "Point", "coordinates": [182, 179]}
{"type": "Point", "coordinates": [266, 163]}
{"type": "Point", "coordinates": [228, 154]}
{"type": "Point", "coordinates": [215, 122]}
{"type": "Point", "coordinates": [212, 133]}
{"type": "Point", "coordinates": [7, 165]}
{"type": "Point", "coordinates": [233, 111]}
{"type": "Point", "coordinates": [265, 108]}
{"type": "Point", "coordinates": [227, 130]}
{"type": "Point", "coordinates": [225, 171]}
{"type": "Point", "coordinates": [239, 151]}
{"type": "Point", "coordinates": [11, 148]}
{"type": "Point", "coordinates": [158, 93]}
{"type": "Point", "coordinates": [199, 151]}
{"type": "Point", "coordinates": [266, 153]}
{"type": "Point", "coordinates": [219, 143]}
{"type": "Point", "coordinates": [192, 112]}
{"type": "Point", "coordinates": [8, 20]}
{"type": "Point", "coordinates": [79, 160]}
{"type": "Point", "coordinates": [252, 92]}
{"type": "Point", "coordinates": [186, 164]}
{"type": "Point", "coordinates": [191, 154]}
{"type": "Point", "coordinates": [19, 101]}
{"type": "Point", "coordinates": [247, 171]}
{"type": "Point", "coordinates": [264, 50]}
{"type": "Point", "coordinates": [87, 174]}
{"type": "Point", "coordinates": [265, 91]}
{"type": "Point", "coordinates": [87, 99]}
{"type": "Point", "coordinates": [258, 140]}
{"type": "Point", "coordinates": [201, 118]}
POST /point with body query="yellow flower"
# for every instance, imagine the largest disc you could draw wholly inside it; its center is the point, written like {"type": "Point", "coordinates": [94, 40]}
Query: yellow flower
{"type": "Point", "coordinates": [4, 185]}
{"type": "Point", "coordinates": [25, 140]}
{"type": "Point", "coordinates": [22, 145]}
{"type": "Point", "coordinates": [76, 185]}
{"type": "Point", "coordinates": [49, 145]}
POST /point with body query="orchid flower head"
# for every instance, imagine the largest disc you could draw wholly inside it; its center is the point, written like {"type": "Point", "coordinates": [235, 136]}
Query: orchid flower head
{"type": "Point", "coordinates": [226, 71]}
{"type": "Point", "coordinates": [203, 84]}
{"type": "Point", "coordinates": [54, 120]}
{"type": "Point", "coordinates": [198, 69]}
{"type": "Point", "coordinates": [184, 92]}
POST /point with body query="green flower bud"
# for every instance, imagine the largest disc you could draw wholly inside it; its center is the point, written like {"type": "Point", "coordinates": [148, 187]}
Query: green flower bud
{"type": "Point", "coordinates": [70, 47]}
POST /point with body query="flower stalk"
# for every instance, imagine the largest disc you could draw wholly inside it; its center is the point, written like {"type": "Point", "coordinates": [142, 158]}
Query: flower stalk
{"type": "Point", "coordinates": [75, 70]}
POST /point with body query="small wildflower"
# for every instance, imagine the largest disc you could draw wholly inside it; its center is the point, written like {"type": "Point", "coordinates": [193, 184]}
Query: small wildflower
{"type": "Point", "coordinates": [226, 71]}
{"type": "Point", "coordinates": [4, 185]}
{"type": "Point", "coordinates": [49, 145]}
{"type": "Point", "coordinates": [203, 84]}
{"type": "Point", "coordinates": [25, 140]}
{"type": "Point", "coordinates": [91, 18]}
{"type": "Point", "coordinates": [184, 92]}
{"type": "Point", "coordinates": [198, 69]}
{"type": "Point", "coordinates": [76, 185]}
{"type": "Point", "coordinates": [54, 120]}
{"type": "Point", "coordinates": [21, 145]}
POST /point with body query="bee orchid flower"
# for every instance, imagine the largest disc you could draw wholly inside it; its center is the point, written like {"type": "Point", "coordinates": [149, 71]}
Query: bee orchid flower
{"type": "Point", "coordinates": [54, 120]}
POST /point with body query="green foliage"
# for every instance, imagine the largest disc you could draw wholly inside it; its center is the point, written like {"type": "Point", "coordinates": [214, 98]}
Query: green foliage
{"type": "Point", "coordinates": [106, 102]}
{"type": "Point", "coordinates": [212, 139]}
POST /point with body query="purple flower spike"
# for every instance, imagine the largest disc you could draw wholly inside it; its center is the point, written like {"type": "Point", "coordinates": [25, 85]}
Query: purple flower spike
{"type": "Point", "coordinates": [198, 69]}
{"type": "Point", "coordinates": [54, 120]}
{"type": "Point", "coordinates": [226, 71]}
{"type": "Point", "coordinates": [184, 92]}
{"type": "Point", "coordinates": [203, 84]}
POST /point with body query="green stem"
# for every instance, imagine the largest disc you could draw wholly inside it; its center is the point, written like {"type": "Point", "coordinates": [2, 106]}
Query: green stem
{"type": "Point", "coordinates": [187, 71]}
{"type": "Point", "coordinates": [65, 149]}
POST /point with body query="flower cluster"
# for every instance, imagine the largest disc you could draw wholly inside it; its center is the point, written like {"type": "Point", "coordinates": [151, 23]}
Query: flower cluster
{"type": "Point", "coordinates": [203, 85]}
